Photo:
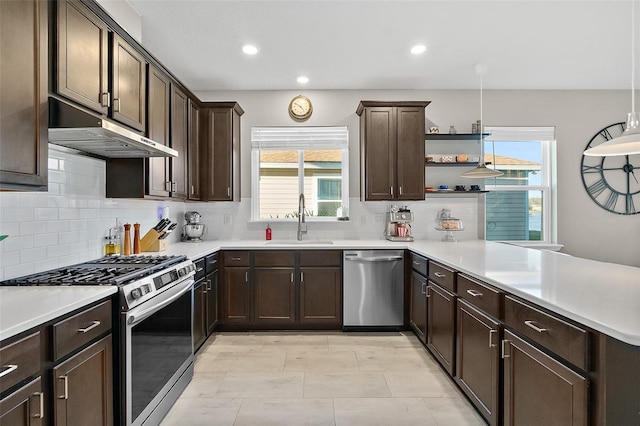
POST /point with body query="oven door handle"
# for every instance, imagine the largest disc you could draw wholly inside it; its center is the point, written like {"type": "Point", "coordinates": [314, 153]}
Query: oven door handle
{"type": "Point", "coordinates": [137, 317]}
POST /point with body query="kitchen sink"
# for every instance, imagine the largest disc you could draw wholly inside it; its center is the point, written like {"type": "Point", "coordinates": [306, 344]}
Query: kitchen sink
{"type": "Point", "coordinates": [297, 243]}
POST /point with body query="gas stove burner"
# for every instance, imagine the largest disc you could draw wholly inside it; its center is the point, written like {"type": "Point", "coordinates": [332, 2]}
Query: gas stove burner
{"type": "Point", "coordinates": [111, 270]}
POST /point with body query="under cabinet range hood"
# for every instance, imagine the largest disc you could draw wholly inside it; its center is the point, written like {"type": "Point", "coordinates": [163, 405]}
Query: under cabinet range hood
{"type": "Point", "coordinates": [74, 128]}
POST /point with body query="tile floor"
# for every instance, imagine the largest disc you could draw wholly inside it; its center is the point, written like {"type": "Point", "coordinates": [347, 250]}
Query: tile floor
{"type": "Point", "coordinates": [319, 378]}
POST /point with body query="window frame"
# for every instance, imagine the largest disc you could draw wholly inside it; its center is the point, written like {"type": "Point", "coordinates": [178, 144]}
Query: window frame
{"type": "Point", "coordinates": [305, 143]}
{"type": "Point", "coordinates": [546, 137]}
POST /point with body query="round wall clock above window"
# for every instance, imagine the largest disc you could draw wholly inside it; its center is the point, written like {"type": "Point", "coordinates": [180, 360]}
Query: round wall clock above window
{"type": "Point", "coordinates": [613, 182]}
{"type": "Point", "coordinates": [300, 108]}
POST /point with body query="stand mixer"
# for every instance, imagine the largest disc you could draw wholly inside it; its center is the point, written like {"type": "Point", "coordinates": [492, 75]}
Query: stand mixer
{"type": "Point", "coordinates": [193, 230]}
{"type": "Point", "coordinates": [399, 224]}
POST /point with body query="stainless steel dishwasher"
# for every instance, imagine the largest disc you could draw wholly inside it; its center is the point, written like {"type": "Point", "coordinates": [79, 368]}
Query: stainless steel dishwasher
{"type": "Point", "coordinates": [373, 282]}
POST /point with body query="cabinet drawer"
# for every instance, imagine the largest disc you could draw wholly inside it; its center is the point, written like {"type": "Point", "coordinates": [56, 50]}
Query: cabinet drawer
{"type": "Point", "coordinates": [211, 263]}
{"type": "Point", "coordinates": [560, 337]}
{"type": "Point", "coordinates": [236, 258]}
{"type": "Point", "coordinates": [481, 295]}
{"type": "Point", "coordinates": [320, 257]}
{"type": "Point", "coordinates": [200, 271]}
{"type": "Point", "coordinates": [419, 264]}
{"type": "Point", "coordinates": [440, 274]}
{"type": "Point", "coordinates": [19, 360]}
{"type": "Point", "coordinates": [275, 258]}
{"type": "Point", "coordinates": [73, 332]}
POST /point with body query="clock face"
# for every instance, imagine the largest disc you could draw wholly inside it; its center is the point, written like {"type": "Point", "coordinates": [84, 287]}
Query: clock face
{"type": "Point", "coordinates": [300, 108]}
{"type": "Point", "coordinates": [613, 182]}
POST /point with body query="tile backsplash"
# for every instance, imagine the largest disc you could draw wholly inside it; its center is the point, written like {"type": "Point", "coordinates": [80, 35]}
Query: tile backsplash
{"type": "Point", "coordinates": [67, 224]}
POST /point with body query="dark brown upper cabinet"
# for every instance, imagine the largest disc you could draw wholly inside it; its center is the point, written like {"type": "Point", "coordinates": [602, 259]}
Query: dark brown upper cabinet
{"type": "Point", "coordinates": [179, 141]}
{"type": "Point", "coordinates": [82, 65]}
{"type": "Point", "coordinates": [23, 96]}
{"type": "Point", "coordinates": [221, 163]}
{"type": "Point", "coordinates": [158, 181]}
{"type": "Point", "coordinates": [392, 150]}
{"type": "Point", "coordinates": [193, 152]}
{"type": "Point", "coordinates": [129, 71]}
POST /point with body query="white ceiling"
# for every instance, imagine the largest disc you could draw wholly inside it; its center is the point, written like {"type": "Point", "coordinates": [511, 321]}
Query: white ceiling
{"type": "Point", "coordinates": [365, 44]}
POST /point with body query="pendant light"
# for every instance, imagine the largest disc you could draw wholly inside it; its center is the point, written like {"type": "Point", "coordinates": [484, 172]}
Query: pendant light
{"type": "Point", "coordinates": [629, 142]}
{"type": "Point", "coordinates": [481, 171]}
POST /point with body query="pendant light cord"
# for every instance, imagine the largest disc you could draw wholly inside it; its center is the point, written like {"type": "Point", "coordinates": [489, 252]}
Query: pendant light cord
{"type": "Point", "coordinates": [633, 55]}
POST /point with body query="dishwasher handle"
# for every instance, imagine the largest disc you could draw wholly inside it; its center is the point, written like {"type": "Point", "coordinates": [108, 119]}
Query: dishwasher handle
{"type": "Point", "coordinates": [374, 259]}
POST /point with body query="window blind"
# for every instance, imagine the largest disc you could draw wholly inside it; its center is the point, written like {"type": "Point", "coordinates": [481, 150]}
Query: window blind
{"type": "Point", "coordinates": [298, 137]}
{"type": "Point", "coordinates": [517, 134]}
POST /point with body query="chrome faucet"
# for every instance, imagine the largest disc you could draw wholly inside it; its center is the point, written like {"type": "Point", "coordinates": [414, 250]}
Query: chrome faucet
{"type": "Point", "coordinates": [301, 217]}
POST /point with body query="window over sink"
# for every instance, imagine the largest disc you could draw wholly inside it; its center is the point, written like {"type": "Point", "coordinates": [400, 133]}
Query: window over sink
{"type": "Point", "coordinates": [289, 161]}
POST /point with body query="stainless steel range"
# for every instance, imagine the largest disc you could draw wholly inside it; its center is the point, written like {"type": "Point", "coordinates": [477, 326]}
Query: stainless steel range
{"type": "Point", "coordinates": [155, 351]}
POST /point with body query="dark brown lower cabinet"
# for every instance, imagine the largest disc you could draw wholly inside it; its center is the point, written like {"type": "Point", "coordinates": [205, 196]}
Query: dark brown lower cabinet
{"type": "Point", "coordinates": [236, 295]}
{"type": "Point", "coordinates": [441, 325]}
{"type": "Point", "coordinates": [211, 299]}
{"type": "Point", "coordinates": [275, 295]}
{"type": "Point", "coordinates": [321, 296]}
{"type": "Point", "coordinates": [418, 306]}
{"type": "Point", "coordinates": [538, 390]}
{"type": "Point", "coordinates": [24, 407]}
{"type": "Point", "coordinates": [199, 303]}
{"type": "Point", "coordinates": [478, 360]}
{"type": "Point", "coordinates": [82, 387]}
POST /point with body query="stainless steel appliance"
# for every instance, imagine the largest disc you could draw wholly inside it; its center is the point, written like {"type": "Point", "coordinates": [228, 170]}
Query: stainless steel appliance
{"type": "Point", "coordinates": [398, 226]}
{"type": "Point", "coordinates": [373, 282]}
{"type": "Point", "coordinates": [193, 230]}
{"type": "Point", "coordinates": [155, 346]}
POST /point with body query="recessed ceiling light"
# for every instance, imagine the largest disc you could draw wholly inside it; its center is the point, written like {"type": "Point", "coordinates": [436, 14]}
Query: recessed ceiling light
{"type": "Point", "coordinates": [303, 79]}
{"type": "Point", "coordinates": [249, 49]}
{"type": "Point", "coordinates": [418, 49]}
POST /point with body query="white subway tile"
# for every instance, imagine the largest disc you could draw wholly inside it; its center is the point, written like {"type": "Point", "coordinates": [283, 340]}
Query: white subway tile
{"type": "Point", "coordinates": [10, 228]}
{"type": "Point", "coordinates": [44, 240]}
{"type": "Point", "coordinates": [10, 258]}
{"type": "Point", "coordinates": [33, 228]}
{"type": "Point", "coordinates": [29, 199]}
{"type": "Point", "coordinates": [68, 213]}
{"type": "Point", "coordinates": [33, 255]}
{"type": "Point", "coordinates": [45, 213]}
{"type": "Point", "coordinates": [56, 200]}
{"type": "Point", "coordinates": [57, 226]}
{"type": "Point", "coordinates": [18, 243]}
{"type": "Point", "coordinates": [45, 265]}
{"type": "Point", "coordinates": [17, 270]}
{"type": "Point", "coordinates": [58, 250]}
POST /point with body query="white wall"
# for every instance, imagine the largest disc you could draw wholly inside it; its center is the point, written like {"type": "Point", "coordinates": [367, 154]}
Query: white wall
{"type": "Point", "coordinates": [585, 229]}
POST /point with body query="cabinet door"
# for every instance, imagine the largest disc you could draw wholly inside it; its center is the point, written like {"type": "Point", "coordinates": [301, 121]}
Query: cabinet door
{"type": "Point", "coordinates": [410, 153]}
{"type": "Point", "coordinates": [441, 325]}
{"type": "Point", "coordinates": [82, 67]}
{"type": "Point", "coordinates": [538, 390]}
{"type": "Point", "coordinates": [23, 95]}
{"type": "Point", "coordinates": [220, 152]}
{"type": "Point", "coordinates": [321, 296]}
{"type": "Point", "coordinates": [129, 73]}
{"type": "Point", "coordinates": [212, 302]}
{"type": "Point", "coordinates": [274, 291]}
{"type": "Point", "coordinates": [82, 387]}
{"type": "Point", "coordinates": [418, 307]}
{"type": "Point", "coordinates": [378, 148]}
{"type": "Point", "coordinates": [193, 152]}
{"type": "Point", "coordinates": [158, 176]}
{"type": "Point", "coordinates": [179, 138]}
{"type": "Point", "coordinates": [24, 407]}
{"type": "Point", "coordinates": [199, 314]}
{"type": "Point", "coordinates": [236, 302]}
{"type": "Point", "coordinates": [478, 359]}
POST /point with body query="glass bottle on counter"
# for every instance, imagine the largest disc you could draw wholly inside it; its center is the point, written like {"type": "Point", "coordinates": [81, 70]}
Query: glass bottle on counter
{"type": "Point", "coordinates": [112, 246]}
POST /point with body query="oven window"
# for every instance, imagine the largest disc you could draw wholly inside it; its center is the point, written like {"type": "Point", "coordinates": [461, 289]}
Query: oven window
{"type": "Point", "coordinates": [159, 346]}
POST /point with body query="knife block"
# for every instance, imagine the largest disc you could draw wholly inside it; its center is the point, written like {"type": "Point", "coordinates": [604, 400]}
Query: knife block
{"type": "Point", "coordinates": [150, 242]}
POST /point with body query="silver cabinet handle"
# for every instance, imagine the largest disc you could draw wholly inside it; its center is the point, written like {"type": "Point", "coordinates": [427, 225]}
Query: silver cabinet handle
{"type": "Point", "coordinates": [532, 325]}
{"type": "Point", "coordinates": [9, 368]}
{"type": "Point", "coordinates": [246, 277]}
{"type": "Point", "coordinates": [491, 333]}
{"type": "Point", "coordinates": [193, 190]}
{"type": "Point", "coordinates": [209, 285]}
{"type": "Point", "coordinates": [439, 274]}
{"type": "Point", "coordinates": [400, 190]}
{"type": "Point", "coordinates": [236, 259]}
{"type": "Point", "coordinates": [504, 349]}
{"type": "Point", "coordinates": [292, 277]}
{"type": "Point", "coordinates": [301, 276]}
{"type": "Point", "coordinates": [93, 325]}
{"type": "Point", "coordinates": [204, 287]}
{"type": "Point", "coordinates": [116, 105]}
{"type": "Point", "coordinates": [66, 387]}
{"type": "Point", "coordinates": [173, 186]}
{"type": "Point", "coordinates": [228, 191]}
{"type": "Point", "coordinates": [105, 99]}
{"type": "Point", "coordinates": [391, 188]}
{"type": "Point", "coordinates": [40, 415]}
{"type": "Point", "coordinates": [167, 186]}
{"type": "Point", "coordinates": [416, 263]}
{"type": "Point", "coordinates": [474, 293]}
{"type": "Point", "coordinates": [424, 288]}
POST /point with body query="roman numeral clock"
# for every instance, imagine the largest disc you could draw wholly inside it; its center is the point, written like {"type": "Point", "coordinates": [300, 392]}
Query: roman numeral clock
{"type": "Point", "coordinates": [613, 182]}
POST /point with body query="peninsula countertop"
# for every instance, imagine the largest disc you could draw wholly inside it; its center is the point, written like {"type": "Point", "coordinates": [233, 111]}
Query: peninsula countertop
{"type": "Point", "coordinates": [600, 295]}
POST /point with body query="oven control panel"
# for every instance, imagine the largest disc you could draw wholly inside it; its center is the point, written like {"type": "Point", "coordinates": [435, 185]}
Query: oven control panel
{"type": "Point", "coordinates": [138, 292]}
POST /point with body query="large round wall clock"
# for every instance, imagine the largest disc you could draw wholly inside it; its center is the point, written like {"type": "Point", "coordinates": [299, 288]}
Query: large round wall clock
{"type": "Point", "coordinates": [613, 182]}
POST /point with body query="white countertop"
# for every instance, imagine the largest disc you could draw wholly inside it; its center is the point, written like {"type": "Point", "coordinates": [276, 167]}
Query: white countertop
{"type": "Point", "coordinates": [603, 296]}
{"type": "Point", "coordinates": [22, 308]}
